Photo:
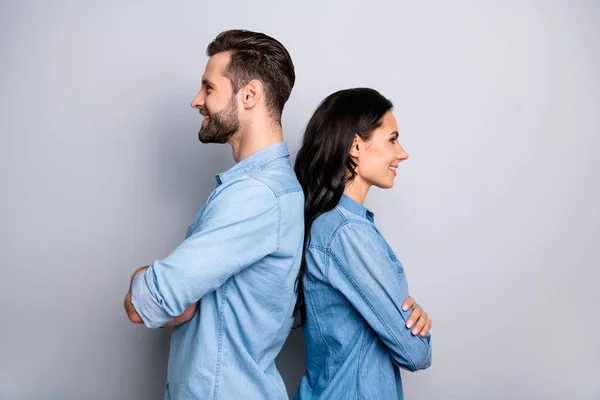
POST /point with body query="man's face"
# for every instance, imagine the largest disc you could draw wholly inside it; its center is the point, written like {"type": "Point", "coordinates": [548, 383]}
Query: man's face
{"type": "Point", "coordinates": [217, 102]}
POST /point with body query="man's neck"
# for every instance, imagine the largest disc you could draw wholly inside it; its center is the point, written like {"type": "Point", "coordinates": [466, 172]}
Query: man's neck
{"type": "Point", "coordinates": [248, 141]}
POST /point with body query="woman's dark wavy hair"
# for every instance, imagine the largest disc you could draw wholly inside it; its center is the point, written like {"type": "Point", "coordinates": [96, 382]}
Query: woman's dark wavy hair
{"type": "Point", "coordinates": [323, 164]}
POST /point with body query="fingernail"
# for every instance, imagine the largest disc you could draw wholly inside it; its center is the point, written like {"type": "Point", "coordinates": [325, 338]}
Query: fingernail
{"type": "Point", "coordinates": [409, 324]}
{"type": "Point", "coordinates": [415, 331]}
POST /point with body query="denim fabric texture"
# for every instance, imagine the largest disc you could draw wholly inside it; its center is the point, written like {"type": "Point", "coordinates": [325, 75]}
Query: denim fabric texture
{"type": "Point", "coordinates": [240, 258]}
{"type": "Point", "coordinates": [356, 334]}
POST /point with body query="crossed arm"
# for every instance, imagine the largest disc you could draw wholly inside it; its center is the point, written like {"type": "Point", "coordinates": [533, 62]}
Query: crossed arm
{"type": "Point", "coordinates": [418, 318]}
{"type": "Point", "coordinates": [135, 317]}
{"type": "Point", "coordinates": [163, 296]}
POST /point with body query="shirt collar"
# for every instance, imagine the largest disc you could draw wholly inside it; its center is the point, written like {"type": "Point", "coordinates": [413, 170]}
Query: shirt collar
{"type": "Point", "coordinates": [254, 161]}
{"type": "Point", "coordinates": [356, 208]}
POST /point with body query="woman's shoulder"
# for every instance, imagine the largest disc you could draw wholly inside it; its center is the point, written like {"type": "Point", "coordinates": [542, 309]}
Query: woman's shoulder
{"type": "Point", "coordinates": [335, 222]}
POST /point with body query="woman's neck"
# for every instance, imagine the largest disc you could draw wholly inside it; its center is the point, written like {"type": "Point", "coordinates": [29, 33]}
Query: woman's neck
{"type": "Point", "coordinates": [357, 189]}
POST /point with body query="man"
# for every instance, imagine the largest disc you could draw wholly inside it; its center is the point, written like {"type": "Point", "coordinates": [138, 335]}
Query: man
{"type": "Point", "coordinates": [242, 252]}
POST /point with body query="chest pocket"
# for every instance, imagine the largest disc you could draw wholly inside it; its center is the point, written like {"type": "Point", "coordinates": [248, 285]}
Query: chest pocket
{"type": "Point", "coordinates": [394, 259]}
{"type": "Point", "coordinates": [397, 263]}
{"type": "Point", "coordinates": [400, 270]}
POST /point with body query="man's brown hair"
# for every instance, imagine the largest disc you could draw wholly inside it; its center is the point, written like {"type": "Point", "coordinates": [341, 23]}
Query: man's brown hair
{"type": "Point", "coordinates": [255, 55]}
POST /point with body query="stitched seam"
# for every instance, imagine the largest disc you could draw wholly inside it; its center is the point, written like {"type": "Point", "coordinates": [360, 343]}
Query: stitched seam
{"type": "Point", "coordinates": [275, 192]}
{"type": "Point", "coordinates": [340, 226]}
{"type": "Point", "coordinates": [341, 214]}
{"type": "Point", "coordinates": [256, 178]}
{"type": "Point", "coordinates": [290, 190]}
{"type": "Point", "coordinates": [277, 240]}
{"type": "Point", "coordinates": [258, 165]}
{"type": "Point", "coordinates": [264, 162]}
{"type": "Point", "coordinates": [220, 343]}
{"type": "Point", "coordinates": [360, 360]}
{"type": "Point", "coordinates": [312, 307]}
{"type": "Point", "coordinates": [328, 247]}
{"type": "Point", "coordinates": [373, 309]}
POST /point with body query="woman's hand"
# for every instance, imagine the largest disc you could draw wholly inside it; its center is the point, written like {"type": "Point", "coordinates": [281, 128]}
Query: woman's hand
{"type": "Point", "coordinates": [418, 318]}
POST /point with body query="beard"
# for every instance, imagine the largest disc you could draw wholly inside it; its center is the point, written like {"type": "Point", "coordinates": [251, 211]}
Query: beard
{"type": "Point", "coordinates": [221, 125]}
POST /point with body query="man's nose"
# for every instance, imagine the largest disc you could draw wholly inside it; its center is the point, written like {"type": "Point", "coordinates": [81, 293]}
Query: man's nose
{"type": "Point", "coordinates": [198, 101]}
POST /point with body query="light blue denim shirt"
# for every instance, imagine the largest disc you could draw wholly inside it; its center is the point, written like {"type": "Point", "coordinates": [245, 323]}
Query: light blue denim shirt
{"type": "Point", "coordinates": [355, 331]}
{"type": "Point", "coordinates": [241, 257]}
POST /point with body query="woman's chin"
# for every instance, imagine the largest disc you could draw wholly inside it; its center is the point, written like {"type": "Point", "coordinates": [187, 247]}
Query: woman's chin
{"type": "Point", "coordinates": [385, 185]}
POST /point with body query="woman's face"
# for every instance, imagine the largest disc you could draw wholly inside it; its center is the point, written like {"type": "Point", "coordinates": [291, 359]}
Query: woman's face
{"type": "Point", "coordinates": [378, 157]}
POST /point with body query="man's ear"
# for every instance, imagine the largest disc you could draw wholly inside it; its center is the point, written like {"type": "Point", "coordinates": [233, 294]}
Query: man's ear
{"type": "Point", "coordinates": [252, 93]}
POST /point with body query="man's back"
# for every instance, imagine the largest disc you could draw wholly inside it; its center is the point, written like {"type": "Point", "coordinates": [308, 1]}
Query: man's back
{"type": "Point", "coordinates": [242, 253]}
{"type": "Point", "coordinates": [227, 350]}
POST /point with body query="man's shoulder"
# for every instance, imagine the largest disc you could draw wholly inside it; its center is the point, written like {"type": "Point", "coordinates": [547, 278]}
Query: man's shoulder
{"type": "Point", "coordinates": [278, 176]}
{"type": "Point", "coordinates": [245, 186]}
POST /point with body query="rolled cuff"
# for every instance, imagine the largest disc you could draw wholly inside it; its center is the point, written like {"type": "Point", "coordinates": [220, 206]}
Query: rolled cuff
{"type": "Point", "coordinates": [145, 303]}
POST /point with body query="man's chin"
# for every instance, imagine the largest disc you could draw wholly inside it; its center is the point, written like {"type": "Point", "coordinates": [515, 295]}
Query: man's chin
{"type": "Point", "coordinates": [205, 137]}
{"type": "Point", "coordinates": [211, 138]}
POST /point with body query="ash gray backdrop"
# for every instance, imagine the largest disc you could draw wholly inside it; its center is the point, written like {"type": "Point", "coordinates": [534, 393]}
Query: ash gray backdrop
{"type": "Point", "coordinates": [495, 214]}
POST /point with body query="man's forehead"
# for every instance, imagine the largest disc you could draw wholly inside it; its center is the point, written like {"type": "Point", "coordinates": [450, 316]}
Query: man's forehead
{"type": "Point", "coordinates": [215, 67]}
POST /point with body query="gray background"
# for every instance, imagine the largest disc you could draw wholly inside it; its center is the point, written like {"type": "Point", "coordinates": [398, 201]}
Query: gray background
{"type": "Point", "coordinates": [495, 214]}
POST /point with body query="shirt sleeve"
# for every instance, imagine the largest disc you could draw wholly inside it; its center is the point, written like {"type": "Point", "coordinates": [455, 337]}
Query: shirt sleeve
{"type": "Point", "coordinates": [376, 286]}
{"type": "Point", "coordinates": [238, 228]}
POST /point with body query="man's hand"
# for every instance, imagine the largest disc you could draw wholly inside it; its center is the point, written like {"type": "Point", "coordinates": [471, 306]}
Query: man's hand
{"type": "Point", "coordinates": [185, 317]}
{"type": "Point", "coordinates": [129, 308]}
{"type": "Point", "coordinates": [135, 317]}
{"type": "Point", "coordinates": [418, 318]}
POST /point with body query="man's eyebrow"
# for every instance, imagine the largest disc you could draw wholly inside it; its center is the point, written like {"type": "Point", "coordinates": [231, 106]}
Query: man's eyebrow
{"type": "Point", "coordinates": [207, 82]}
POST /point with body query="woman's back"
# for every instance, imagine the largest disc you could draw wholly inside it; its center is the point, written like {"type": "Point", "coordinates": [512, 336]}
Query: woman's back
{"type": "Point", "coordinates": [355, 332]}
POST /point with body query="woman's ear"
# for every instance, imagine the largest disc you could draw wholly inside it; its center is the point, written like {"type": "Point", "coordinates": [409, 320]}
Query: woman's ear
{"type": "Point", "coordinates": [356, 146]}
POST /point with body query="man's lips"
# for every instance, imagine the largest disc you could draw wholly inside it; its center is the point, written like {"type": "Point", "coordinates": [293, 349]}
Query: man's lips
{"type": "Point", "coordinates": [206, 117]}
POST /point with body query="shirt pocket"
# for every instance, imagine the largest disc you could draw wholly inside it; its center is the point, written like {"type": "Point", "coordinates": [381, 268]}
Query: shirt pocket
{"type": "Point", "coordinates": [403, 284]}
{"type": "Point", "coordinates": [397, 263]}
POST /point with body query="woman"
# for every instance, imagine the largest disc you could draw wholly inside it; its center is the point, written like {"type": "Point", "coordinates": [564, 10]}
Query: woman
{"type": "Point", "coordinates": [353, 285]}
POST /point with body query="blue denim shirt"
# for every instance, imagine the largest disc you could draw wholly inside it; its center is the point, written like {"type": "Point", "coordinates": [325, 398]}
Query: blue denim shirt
{"type": "Point", "coordinates": [241, 257]}
{"type": "Point", "coordinates": [356, 334]}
